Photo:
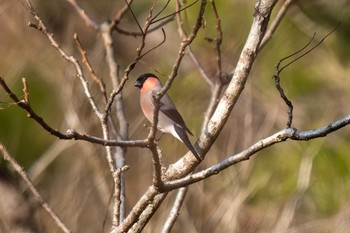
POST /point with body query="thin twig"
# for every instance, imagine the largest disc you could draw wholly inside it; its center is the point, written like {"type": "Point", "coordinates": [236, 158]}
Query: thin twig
{"type": "Point", "coordinates": [134, 16]}
{"type": "Point", "coordinates": [279, 70]}
{"type": "Point", "coordinates": [218, 41]}
{"type": "Point", "coordinates": [25, 90]}
{"type": "Point", "coordinates": [216, 87]}
{"type": "Point", "coordinates": [216, 90]}
{"type": "Point", "coordinates": [88, 65]}
{"type": "Point", "coordinates": [174, 13]}
{"type": "Point", "coordinates": [21, 172]}
{"type": "Point", "coordinates": [151, 29]}
{"type": "Point", "coordinates": [88, 20]}
{"type": "Point", "coordinates": [190, 52]}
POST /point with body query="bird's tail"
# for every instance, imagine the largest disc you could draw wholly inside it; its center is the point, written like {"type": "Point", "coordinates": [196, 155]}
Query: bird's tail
{"type": "Point", "coordinates": [184, 138]}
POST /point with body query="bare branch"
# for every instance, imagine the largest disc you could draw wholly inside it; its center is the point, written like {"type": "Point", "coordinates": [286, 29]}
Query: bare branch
{"type": "Point", "coordinates": [151, 29]}
{"type": "Point", "coordinates": [41, 26]}
{"type": "Point", "coordinates": [20, 171]}
{"type": "Point", "coordinates": [261, 17]}
{"type": "Point", "coordinates": [218, 41]}
{"type": "Point", "coordinates": [174, 213]}
{"type": "Point", "coordinates": [134, 16]}
{"type": "Point", "coordinates": [283, 135]}
{"type": "Point", "coordinates": [71, 133]}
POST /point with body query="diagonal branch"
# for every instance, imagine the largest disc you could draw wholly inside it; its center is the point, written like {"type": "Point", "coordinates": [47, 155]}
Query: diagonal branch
{"type": "Point", "coordinates": [218, 120]}
{"type": "Point", "coordinates": [20, 171]}
{"type": "Point", "coordinates": [174, 213]}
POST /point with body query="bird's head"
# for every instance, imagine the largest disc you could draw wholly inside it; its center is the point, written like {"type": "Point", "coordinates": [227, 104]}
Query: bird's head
{"type": "Point", "coordinates": [147, 82]}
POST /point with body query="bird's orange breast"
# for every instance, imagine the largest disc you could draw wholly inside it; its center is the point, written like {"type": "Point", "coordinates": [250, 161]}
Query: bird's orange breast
{"type": "Point", "coordinates": [150, 84]}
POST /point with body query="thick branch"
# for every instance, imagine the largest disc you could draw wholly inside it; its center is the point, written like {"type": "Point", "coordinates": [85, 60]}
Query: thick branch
{"type": "Point", "coordinates": [234, 89]}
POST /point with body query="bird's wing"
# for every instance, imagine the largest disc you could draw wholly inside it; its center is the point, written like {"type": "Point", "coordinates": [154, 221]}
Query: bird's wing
{"type": "Point", "coordinates": [168, 108]}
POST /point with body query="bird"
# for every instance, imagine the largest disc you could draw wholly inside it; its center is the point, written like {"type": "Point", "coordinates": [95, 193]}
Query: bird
{"type": "Point", "coordinates": [169, 119]}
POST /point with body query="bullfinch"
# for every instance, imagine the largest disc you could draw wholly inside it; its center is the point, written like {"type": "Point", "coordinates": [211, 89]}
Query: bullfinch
{"type": "Point", "coordinates": [169, 119]}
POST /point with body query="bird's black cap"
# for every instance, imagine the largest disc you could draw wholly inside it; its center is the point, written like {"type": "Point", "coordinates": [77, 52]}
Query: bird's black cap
{"type": "Point", "coordinates": [142, 78]}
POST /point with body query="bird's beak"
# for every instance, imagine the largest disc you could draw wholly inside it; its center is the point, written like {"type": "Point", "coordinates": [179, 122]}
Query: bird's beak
{"type": "Point", "coordinates": [138, 84]}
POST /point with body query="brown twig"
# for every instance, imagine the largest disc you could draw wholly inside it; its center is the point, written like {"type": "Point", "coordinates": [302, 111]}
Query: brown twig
{"type": "Point", "coordinates": [25, 91]}
{"type": "Point", "coordinates": [278, 71]}
{"type": "Point", "coordinates": [88, 65]}
{"type": "Point", "coordinates": [218, 85]}
{"type": "Point", "coordinates": [117, 194]}
{"type": "Point", "coordinates": [218, 41]}
{"type": "Point", "coordinates": [21, 172]}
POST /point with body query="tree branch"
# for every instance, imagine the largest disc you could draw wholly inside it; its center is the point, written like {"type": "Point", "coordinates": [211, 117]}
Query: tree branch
{"type": "Point", "coordinates": [20, 171]}
{"type": "Point", "coordinates": [283, 135]}
{"type": "Point", "coordinates": [233, 91]}
{"type": "Point", "coordinates": [175, 210]}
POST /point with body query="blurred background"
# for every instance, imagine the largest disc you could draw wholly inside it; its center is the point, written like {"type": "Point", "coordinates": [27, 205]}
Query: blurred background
{"type": "Point", "coordinates": [290, 187]}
